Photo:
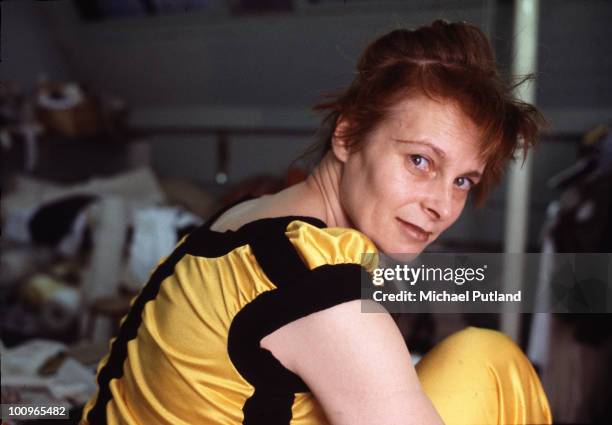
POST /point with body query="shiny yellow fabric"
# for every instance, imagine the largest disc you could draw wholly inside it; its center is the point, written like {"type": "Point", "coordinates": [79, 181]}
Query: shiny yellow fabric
{"type": "Point", "coordinates": [479, 376]}
{"type": "Point", "coordinates": [331, 245]}
{"type": "Point", "coordinates": [178, 370]}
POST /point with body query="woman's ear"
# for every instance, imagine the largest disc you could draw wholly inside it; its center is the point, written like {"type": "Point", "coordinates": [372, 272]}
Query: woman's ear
{"type": "Point", "coordinates": [340, 143]}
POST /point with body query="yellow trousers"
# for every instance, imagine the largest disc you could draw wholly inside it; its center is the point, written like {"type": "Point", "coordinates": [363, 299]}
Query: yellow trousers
{"type": "Point", "coordinates": [479, 376]}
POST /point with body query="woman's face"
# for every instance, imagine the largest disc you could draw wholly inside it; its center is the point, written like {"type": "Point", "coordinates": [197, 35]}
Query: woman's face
{"type": "Point", "coordinates": [409, 180]}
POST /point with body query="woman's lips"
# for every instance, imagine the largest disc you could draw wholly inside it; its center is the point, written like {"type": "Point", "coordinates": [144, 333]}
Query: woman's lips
{"type": "Point", "coordinates": [414, 231]}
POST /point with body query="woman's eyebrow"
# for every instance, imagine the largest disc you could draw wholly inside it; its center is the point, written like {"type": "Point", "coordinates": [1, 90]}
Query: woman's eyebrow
{"type": "Point", "coordinates": [431, 146]}
{"type": "Point", "coordinates": [474, 174]}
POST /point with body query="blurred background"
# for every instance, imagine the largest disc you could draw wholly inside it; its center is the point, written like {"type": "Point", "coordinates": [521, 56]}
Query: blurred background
{"type": "Point", "coordinates": [124, 124]}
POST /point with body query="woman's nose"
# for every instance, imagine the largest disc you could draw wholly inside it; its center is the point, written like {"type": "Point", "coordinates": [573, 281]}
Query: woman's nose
{"type": "Point", "coordinates": [437, 204]}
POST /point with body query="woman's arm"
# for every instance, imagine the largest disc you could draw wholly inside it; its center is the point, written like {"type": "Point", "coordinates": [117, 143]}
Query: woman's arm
{"type": "Point", "coordinates": [356, 364]}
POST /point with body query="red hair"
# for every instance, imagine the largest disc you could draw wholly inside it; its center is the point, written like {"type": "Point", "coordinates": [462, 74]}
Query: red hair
{"type": "Point", "coordinates": [446, 62]}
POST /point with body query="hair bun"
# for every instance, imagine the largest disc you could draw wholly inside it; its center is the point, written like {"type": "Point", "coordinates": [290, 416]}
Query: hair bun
{"type": "Point", "coordinates": [456, 44]}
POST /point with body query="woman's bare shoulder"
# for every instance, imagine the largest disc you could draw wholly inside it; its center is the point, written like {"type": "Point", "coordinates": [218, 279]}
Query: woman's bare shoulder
{"type": "Point", "coordinates": [287, 202]}
{"type": "Point", "coordinates": [238, 215]}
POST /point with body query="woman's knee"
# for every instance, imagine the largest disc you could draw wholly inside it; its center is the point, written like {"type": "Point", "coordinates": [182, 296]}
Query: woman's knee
{"type": "Point", "coordinates": [485, 370]}
{"type": "Point", "coordinates": [478, 352]}
{"type": "Point", "coordinates": [482, 344]}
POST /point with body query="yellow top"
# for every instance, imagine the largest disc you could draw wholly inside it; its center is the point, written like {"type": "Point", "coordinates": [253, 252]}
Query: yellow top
{"type": "Point", "coordinates": [188, 351]}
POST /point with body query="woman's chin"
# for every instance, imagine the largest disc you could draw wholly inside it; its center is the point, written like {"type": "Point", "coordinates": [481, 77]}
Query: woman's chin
{"type": "Point", "coordinates": [404, 252]}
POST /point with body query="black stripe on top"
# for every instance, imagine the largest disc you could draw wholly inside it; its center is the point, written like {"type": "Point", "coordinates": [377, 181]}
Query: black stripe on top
{"type": "Point", "coordinates": [299, 292]}
{"type": "Point", "coordinates": [113, 369]}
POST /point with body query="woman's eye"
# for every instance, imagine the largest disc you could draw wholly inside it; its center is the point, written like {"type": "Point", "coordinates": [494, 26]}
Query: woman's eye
{"type": "Point", "coordinates": [420, 162]}
{"type": "Point", "coordinates": [464, 183]}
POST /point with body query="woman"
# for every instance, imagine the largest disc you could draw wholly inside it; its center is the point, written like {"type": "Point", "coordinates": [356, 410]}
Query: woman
{"type": "Point", "coordinates": [255, 317]}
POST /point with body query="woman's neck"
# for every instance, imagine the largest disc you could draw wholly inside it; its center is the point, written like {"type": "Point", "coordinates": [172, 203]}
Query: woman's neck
{"type": "Point", "coordinates": [317, 196]}
{"type": "Point", "coordinates": [322, 189]}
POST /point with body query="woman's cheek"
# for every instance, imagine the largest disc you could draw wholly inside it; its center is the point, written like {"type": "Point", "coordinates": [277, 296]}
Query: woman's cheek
{"type": "Point", "coordinates": [457, 209]}
{"type": "Point", "coordinates": [419, 186]}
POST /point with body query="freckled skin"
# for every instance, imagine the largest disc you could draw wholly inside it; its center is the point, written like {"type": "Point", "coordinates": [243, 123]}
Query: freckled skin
{"type": "Point", "coordinates": [382, 181]}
